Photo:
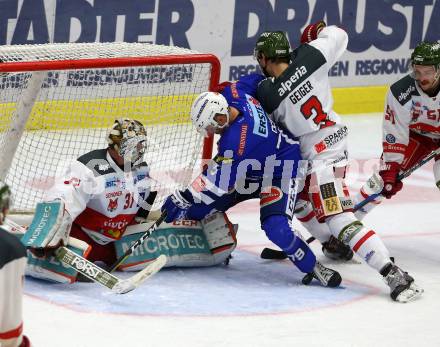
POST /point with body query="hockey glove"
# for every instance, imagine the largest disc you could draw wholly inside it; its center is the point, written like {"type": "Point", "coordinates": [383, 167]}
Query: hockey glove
{"type": "Point", "coordinates": [391, 185]}
{"type": "Point", "coordinates": [176, 206]}
{"type": "Point", "coordinates": [311, 31]}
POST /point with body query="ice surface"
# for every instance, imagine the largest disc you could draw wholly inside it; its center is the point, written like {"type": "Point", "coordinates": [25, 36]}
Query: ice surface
{"type": "Point", "coordinates": [254, 302]}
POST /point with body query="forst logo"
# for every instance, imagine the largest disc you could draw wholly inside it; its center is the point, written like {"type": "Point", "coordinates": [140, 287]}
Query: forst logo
{"type": "Point", "coordinates": [89, 269]}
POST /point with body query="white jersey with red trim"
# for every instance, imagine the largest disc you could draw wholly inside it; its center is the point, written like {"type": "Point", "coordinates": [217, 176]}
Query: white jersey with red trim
{"type": "Point", "coordinates": [407, 109]}
{"type": "Point", "coordinates": [100, 197]}
{"type": "Point", "coordinates": [12, 265]}
{"type": "Point", "coordinates": [300, 99]}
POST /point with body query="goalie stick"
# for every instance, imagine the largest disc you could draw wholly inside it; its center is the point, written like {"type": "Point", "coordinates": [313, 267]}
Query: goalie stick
{"type": "Point", "coordinates": [270, 253]}
{"type": "Point", "coordinates": [138, 242]}
{"type": "Point", "coordinates": [96, 273]}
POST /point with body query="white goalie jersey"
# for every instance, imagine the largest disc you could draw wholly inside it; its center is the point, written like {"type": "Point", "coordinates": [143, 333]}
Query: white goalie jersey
{"type": "Point", "coordinates": [407, 109]}
{"type": "Point", "coordinates": [100, 197]}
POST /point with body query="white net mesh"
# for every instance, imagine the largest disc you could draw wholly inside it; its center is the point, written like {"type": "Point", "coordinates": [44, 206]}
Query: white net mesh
{"type": "Point", "coordinates": [74, 109]}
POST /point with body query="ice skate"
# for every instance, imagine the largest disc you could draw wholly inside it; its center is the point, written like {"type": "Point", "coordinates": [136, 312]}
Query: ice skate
{"type": "Point", "coordinates": [402, 286]}
{"type": "Point", "coordinates": [326, 276]}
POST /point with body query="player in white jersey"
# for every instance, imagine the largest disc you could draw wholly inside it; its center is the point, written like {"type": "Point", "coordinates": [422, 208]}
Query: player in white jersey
{"type": "Point", "coordinates": [298, 97]}
{"type": "Point", "coordinates": [12, 265]}
{"type": "Point", "coordinates": [411, 125]}
{"type": "Point", "coordinates": [99, 199]}
{"type": "Point", "coordinates": [94, 200]}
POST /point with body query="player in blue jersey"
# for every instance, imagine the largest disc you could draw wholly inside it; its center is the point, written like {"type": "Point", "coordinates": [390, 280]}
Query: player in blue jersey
{"type": "Point", "coordinates": [255, 159]}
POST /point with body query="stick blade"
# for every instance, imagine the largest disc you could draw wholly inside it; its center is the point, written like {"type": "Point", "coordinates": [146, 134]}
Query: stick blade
{"type": "Point", "coordinates": [272, 254]}
{"type": "Point", "coordinates": [135, 281]}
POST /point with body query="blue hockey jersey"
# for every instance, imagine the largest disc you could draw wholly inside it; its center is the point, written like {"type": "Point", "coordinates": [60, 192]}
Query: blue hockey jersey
{"type": "Point", "coordinates": [251, 148]}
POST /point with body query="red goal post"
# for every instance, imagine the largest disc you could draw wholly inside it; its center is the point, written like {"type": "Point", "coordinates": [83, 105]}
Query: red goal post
{"type": "Point", "coordinates": [58, 101]}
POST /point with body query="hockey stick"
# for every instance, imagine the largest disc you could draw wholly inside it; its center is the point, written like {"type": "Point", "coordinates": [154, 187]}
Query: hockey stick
{"type": "Point", "coordinates": [99, 275]}
{"type": "Point", "coordinates": [138, 242]}
{"type": "Point", "coordinates": [94, 272]}
{"type": "Point", "coordinates": [269, 253]}
{"type": "Point", "coordinates": [401, 176]}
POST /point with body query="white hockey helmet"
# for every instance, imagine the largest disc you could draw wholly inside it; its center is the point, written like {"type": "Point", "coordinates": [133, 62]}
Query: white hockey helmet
{"type": "Point", "coordinates": [204, 109]}
{"type": "Point", "coordinates": [129, 139]}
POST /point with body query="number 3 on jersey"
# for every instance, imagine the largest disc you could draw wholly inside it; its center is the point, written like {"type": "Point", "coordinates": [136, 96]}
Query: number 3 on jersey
{"type": "Point", "coordinates": [313, 107]}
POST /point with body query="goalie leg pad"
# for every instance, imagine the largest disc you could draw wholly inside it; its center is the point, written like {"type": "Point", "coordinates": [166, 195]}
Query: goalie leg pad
{"type": "Point", "coordinates": [221, 236]}
{"type": "Point", "coordinates": [51, 269]}
{"type": "Point", "coordinates": [185, 243]}
{"type": "Point", "coordinates": [50, 226]}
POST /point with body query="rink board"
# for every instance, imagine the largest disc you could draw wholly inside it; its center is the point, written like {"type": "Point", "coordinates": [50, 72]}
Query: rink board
{"type": "Point", "coordinates": [98, 113]}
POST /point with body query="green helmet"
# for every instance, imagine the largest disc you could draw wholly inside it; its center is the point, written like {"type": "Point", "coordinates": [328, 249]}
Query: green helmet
{"type": "Point", "coordinates": [5, 200]}
{"type": "Point", "coordinates": [426, 53]}
{"type": "Point", "coordinates": [274, 44]}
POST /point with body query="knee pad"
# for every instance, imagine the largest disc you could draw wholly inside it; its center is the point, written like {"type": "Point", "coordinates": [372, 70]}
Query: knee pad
{"type": "Point", "coordinates": [53, 270]}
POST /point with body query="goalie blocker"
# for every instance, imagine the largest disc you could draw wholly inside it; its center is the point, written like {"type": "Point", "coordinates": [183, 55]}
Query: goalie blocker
{"type": "Point", "coordinates": [185, 243]}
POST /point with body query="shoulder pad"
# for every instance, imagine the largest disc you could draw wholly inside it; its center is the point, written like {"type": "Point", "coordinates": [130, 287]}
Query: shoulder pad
{"type": "Point", "coordinates": [404, 89]}
{"type": "Point", "coordinates": [97, 162]}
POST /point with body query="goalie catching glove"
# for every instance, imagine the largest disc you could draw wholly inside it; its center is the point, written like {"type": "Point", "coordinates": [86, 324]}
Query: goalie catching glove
{"type": "Point", "coordinates": [49, 229]}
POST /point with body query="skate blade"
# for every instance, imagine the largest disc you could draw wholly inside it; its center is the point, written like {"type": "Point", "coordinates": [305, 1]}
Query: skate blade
{"type": "Point", "coordinates": [410, 294]}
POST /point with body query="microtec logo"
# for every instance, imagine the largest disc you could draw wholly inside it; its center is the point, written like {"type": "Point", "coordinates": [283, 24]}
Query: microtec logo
{"type": "Point", "coordinates": [41, 224]}
{"type": "Point", "coordinates": [287, 85]}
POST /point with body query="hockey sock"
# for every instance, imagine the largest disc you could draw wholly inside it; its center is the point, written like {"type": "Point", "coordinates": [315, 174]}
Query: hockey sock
{"type": "Point", "coordinates": [365, 242]}
{"type": "Point", "coordinates": [278, 230]}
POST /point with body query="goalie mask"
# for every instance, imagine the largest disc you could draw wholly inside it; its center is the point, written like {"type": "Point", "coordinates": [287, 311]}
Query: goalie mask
{"type": "Point", "coordinates": [205, 109]}
{"type": "Point", "coordinates": [128, 138]}
{"type": "Point", "coordinates": [5, 200]}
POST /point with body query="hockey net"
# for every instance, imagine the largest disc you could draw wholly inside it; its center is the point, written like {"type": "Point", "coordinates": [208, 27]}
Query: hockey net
{"type": "Point", "coordinates": [58, 101]}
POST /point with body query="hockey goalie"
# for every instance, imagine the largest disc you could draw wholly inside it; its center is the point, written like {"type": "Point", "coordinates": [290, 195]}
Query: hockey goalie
{"type": "Point", "coordinates": [103, 200]}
